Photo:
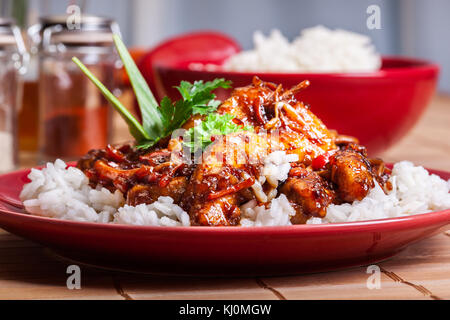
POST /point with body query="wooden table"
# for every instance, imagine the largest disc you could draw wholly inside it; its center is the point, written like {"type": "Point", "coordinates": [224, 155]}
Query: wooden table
{"type": "Point", "coordinates": [422, 271]}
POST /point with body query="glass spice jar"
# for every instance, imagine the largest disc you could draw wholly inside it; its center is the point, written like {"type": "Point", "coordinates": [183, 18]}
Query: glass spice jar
{"type": "Point", "coordinates": [74, 116]}
{"type": "Point", "coordinates": [28, 117]}
{"type": "Point", "coordinates": [13, 59]}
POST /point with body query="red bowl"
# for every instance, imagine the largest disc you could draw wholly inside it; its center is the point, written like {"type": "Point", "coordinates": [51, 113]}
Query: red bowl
{"type": "Point", "coordinates": [376, 107]}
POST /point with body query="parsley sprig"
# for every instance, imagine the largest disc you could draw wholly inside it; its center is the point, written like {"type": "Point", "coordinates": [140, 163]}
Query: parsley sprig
{"type": "Point", "coordinates": [159, 121]}
{"type": "Point", "coordinates": [199, 136]}
{"type": "Point", "coordinates": [200, 94]}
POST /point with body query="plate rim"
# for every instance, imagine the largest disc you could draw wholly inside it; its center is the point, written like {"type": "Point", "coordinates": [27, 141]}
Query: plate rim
{"type": "Point", "coordinates": [434, 217]}
{"type": "Point", "coordinates": [340, 227]}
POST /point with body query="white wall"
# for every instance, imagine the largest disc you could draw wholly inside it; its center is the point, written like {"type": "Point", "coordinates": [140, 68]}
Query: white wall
{"type": "Point", "coordinates": [409, 27]}
{"type": "Point", "coordinates": [156, 19]}
{"type": "Point", "coordinates": [425, 33]}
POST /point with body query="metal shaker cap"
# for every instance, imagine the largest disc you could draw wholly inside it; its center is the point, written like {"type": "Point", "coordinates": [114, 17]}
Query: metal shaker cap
{"type": "Point", "coordinates": [87, 29]}
{"type": "Point", "coordinates": [11, 39]}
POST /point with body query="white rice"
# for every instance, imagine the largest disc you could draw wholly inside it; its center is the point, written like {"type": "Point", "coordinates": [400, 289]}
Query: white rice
{"type": "Point", "coordinates": [276, 169]}
{"type": "Point", "coordinates": [160, 213]}
{"type": "Point", "coordinates": [64, 193]}
{"type": "Point", "coordinates": [278, 213]}
{"type": "Point", "coordinates": [414, 191]}
{"type": "Point", "coordinates": [317, 49]}
{"type": "Point", "coordinates": [277, 166]}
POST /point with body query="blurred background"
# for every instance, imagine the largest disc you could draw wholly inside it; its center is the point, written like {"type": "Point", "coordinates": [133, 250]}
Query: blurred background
{"type": "Point", "coordinates": [408, 27]}
{"type": "Point", "coordinates": [60, 114]}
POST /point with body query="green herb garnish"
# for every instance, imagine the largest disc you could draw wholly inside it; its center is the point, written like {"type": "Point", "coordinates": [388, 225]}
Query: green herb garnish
{"type": "Point", "coordinates": [199, 137]}
{"type": "Point", "coordinates": [158, 121]}
{"type": "Point", "coordinates": [200, 95]}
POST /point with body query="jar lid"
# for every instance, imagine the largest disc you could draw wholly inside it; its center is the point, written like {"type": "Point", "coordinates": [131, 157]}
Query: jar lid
{"type": "Point", "coordinates": [90, 30]}
{"type": "Point", "coordinates": [7, 36]}
{"type": "Point", "coordinates": [6, 22]}
{"type": "Point", "coordinates": [11, 36]}
{"type": "Point", "coordinates": [87, 22]}
{"type": "Point", "coordinates": [70, 37]}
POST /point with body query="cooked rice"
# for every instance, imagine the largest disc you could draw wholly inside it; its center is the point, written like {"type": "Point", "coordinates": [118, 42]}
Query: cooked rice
{"type": "Point", "coordinates": [414, 191]}
{"type": "Point", "coordinates": [277, 166]}
{"type": "Point", "coordinates": [160, 213]}
{"type": "Point", "coordinates": [276, 169]}
{"type": "Point", "coordinates": [64, 193]}
{"type": "Point", "coordinates": [317, 49]}
{"type": "Point", "coordinates": [278, 213]}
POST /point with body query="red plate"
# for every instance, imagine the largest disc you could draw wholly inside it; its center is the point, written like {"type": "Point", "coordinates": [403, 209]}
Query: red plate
{"type": "Point", "coordinates": [218, 250]}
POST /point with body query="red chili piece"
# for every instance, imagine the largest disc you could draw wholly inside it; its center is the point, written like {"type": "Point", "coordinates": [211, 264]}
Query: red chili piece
{"type": "Point", "coordinates": [321, 161]}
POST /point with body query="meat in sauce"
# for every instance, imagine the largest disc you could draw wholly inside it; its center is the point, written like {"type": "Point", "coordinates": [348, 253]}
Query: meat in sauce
{"type": "Point", "coordinates": [330, 168]}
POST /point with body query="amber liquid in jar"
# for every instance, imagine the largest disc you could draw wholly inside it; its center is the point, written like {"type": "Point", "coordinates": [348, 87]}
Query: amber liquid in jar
{"type": "Point", "coordinates": [28, 119]}
{"type": "Point", "coordinates": [75, 117]}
